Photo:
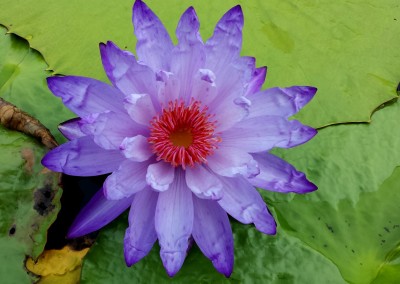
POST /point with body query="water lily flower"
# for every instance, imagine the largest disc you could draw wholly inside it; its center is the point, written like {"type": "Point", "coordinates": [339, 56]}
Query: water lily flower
{"type": "Point", "coordinates": [185, 132]}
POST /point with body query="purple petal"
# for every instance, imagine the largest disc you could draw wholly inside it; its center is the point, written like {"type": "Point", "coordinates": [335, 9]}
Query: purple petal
{"type": "Point", "coordinates": [169, 87]}
{"type": "Point", "coordinates": [299, 134]}
{"type": "Point", "coordinates": [71, 129]}
{"type": "Point", "coordinates": [212, 233]}
{"type": "Point", "coordinates": [280, 101]}
{"type": "Point", "coordinates": [160, 175]}
{"type": "Point", "coordinates": [223, 51]}
{"type": "Point", "coordinates": [140, 108]}
{"type": "Point", "coordinates": [96, 214]}
{"type": "Point", "coordinates": [109, 129]}
{"type": "Point", "coordinates": [126, 181]}
{"type": "Point", "coordinates": [82, 157]}
{"type": "Point", "coordinates": [278, 175]}
{"type": "Point", "coordinates": [203, 183]}
{"type": "Point", "coordinates": [265, 132]}
{"type": "Point", "coordinates": [257, 81]}
{"type": "Point", "coordinates": [128, 75]}
{"type": "Point", "coordinates": [225, 44]}
{"type": "Point", "coordinates": [154, 45]}
{"type": "Point", "coordinates": [85, 95]}
{"type": "Point", "coordinates": [174, 223]}
{"type": "Point", "coordinates": [230, 86]}
{"type": "Point", "coordinates": [242, 201]}
{"type": "Point", "coordinates": [189, 55]}
{"type": "Point", "coordinates": [203, 86]}
{"type": "Point", "coordinates": [247, 65]}
{"type": "Point", "coordinates": [229, 115]}
{"type": "Point", "coordinates": [232, 162]}
{"type": "Point", "coordinates": [141, 233]}
{"type": "Point", "coordinates": [136, 148]}
{"type": "Point", "coordinates": [187, 31]}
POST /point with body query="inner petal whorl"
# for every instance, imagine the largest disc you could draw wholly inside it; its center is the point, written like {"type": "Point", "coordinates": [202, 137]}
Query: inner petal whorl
{"type": "Point", "coordinates": [183, 135]}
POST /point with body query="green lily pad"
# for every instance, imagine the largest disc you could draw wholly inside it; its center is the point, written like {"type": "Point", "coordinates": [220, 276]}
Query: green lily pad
{"type": "Point", "coordinates": [353, 217]}
{"type": "Point", "coordinates": [327, 44]}
{"type": "Point", "coordinates": [29, 203]}
{"type": "Point", "coordinates": [29, 193]}
{"type": "Point", "coordinates": [23, 83]}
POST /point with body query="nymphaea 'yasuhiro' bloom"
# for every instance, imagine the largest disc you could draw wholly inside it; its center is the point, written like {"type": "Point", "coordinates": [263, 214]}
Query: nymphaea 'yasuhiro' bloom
{"type": "Point", "coordinates": [185, 132]}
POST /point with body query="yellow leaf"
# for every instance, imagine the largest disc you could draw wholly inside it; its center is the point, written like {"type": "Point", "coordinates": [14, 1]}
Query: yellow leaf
{"type": "Point", "coordinates": [58, 266]}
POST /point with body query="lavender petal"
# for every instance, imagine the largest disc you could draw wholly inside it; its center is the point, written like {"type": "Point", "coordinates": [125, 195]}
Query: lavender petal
{"type": "Point", "coordinates": [76, 158]}
{"type": "Point", "coordinates": [278, 175]}
{"type": "Point", "coordinates": [174, 223]}
{"type": "Point", "coordinates": [128, 179]}
{"type": "Point", "coordinates": [203, 183]}
{"type": "Point", "coordinates": [97, 213]}
{"type": "Point", "coordinates": [85, 96]}
{"type": "Point", "coordinates": [242, 201]}
{"type": "Point", "coordinates": [280, 101]}
{"type": "Point", "coordinates": [212, 233]}
{"type": "Point", "coordinates": [154, 45]}
{"type": "Point", "coordinates": [141, 234]}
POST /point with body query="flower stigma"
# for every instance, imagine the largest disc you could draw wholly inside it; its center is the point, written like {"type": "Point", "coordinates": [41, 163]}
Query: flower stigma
{"type": "Point", "coordinates": [183, 135]}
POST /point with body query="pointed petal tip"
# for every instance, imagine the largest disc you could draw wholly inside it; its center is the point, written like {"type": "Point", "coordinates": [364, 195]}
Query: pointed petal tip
{"type": "Point", "coordinates": [191, 16]}
{"type": "Point", "coordinates": [307, 93]}
{"type": "Point", "coordinates": [268, 229]}
{"type": "Point", "coordinates": [104, 45]}
{"type": "Point", "coordinates": [55, 160]}
{"type": "Point", "coordinates": [263, 72]}
{"type": "Point", "coordinates": [300, 134]}
{"type": "Point", "coordinates": [49, 79]}
{"type": "Point", "coordinates": [265, 222]}
{"type": "Point", "coordinates": [191, 10]}
{"type": "Point", "coordinates": [73, 233]}
{"type": "Point", "coordinates": [310, 186]}
{"type": "Point", "coordinates": [235, 12]}
{"type": "Point", "coordinates": [237, 9]}
{"type": "Point", "coordinates": [76, 230]}
{"type": "Point", "coordinates": [172, 261]}
{"type": "Point", "coordinates": [132, 255]}
{"type": "Point", "coordinates": [138, 4]}
{"type": "Point", "coordinates": [222, 264]}
{"type": "Point", "coordinates": [300, 184]}
{"type": "Point", "coordinates": [312, 89]}
{"type": "Point", "coordinates": [226, 271]}
{"type": "Point", "coordinates": [140, 9]}
{"type": "Point", "coordinates": [52, 83]}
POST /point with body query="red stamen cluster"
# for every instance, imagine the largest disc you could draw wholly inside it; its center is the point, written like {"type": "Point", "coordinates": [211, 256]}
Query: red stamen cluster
{"type": "Point", "coordinates": [183, 135]}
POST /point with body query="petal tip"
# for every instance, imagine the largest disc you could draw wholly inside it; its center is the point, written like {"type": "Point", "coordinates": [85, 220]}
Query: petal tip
{"type": "Point", "coordinates": [131, 254]}
{"type": "Point", "coordinates": [172, 261]}
{"type": "Point", "coordinates": [223, 264]}
{"type": "Point", "coordinates": [300, 134]}
{"type": "Point", "coordinates": [73, 233]}
{"type": "Point", "coordinates": [52, 83]}
{"type": "Point", "coordinates": [306, 95]}
{"type": "Point", "coordinates": [265, 222]}
{"type": "Point", "coordinates": [235, 13]}
{"type": "Point", "coordinates": [141, 10]}
{"type": "Point", "coordinates": [55, 160]}
{"type": "Point", "coordinates": [236, 9]}
{"type": "Point", "coordinates": [310, 187]}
